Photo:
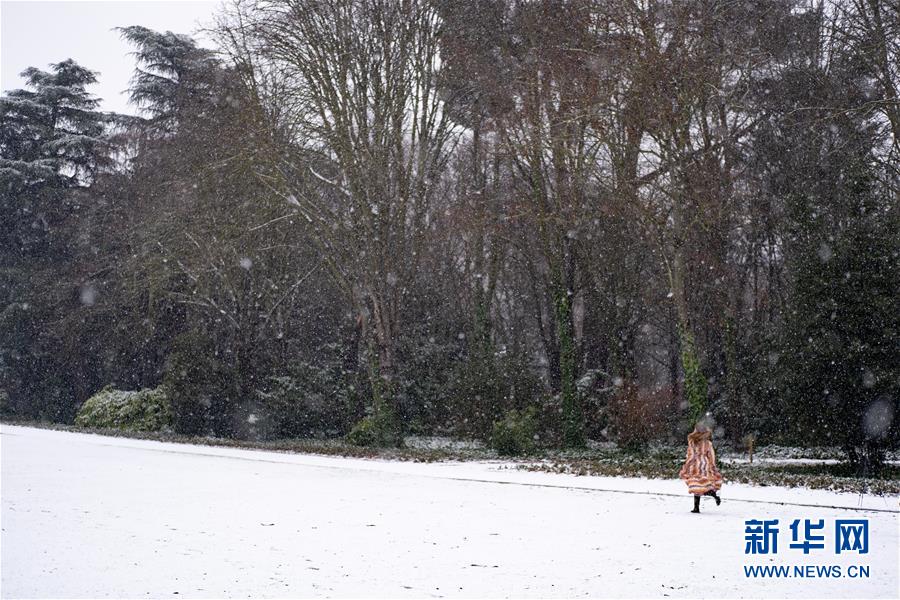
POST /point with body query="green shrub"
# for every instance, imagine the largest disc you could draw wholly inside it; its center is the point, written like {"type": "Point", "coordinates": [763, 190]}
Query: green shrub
{"type": "Point", "coordinates": [363, 433]}
{"type": "Point", "coordinates": [200, 387]}
{"type": "Point", "coordinates": [515, 434]}
{"type": "Point", "coordinates": [310, 401]}
{"type": "Point", "coordinates": [144, 410]}
{"type": "Point", "coordinates": [480, 390]}
{"type": "Point", "coordinates": [381, 429]}
{"type": "Point", "coordinates": [6, 408]}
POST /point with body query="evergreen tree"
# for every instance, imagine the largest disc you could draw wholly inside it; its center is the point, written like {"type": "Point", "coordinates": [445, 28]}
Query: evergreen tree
{"type": "Point", "coordinates": [842, 329]}
{"type": "Point", "coordinates": [831, 378]}
{"type": "Point", "coordinates": [52, 139]}
{"type": "Point", "coordinates": [53, 143]}
{"type": "Point", "coordinates": [174, 77]}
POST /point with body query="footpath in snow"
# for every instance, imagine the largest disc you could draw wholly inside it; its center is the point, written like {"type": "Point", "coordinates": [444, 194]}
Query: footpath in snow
{"type": "Point", "coordinates": [94, 516]}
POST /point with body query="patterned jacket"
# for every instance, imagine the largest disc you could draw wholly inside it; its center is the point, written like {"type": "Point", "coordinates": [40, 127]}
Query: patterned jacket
{"type": "Point", "coordinates": [699, 471]}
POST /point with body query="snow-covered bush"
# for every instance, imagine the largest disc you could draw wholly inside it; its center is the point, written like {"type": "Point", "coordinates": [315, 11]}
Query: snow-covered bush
{"type": "Point", "coordinates": [144, 410]}
{"type": "Point", "coordinates": [515, 434]}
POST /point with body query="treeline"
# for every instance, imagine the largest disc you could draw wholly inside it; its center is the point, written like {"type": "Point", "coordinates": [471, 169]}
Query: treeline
{"type": "Point", "coordinates": [612, 217]}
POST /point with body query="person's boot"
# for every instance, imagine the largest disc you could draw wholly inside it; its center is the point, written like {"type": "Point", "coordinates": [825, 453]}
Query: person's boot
{"type": "Point", "coordinates": [714, 495]}
{"type": "Point", "coordinates": [696, 503]}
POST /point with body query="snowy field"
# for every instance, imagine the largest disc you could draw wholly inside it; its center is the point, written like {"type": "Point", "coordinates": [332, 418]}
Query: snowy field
{"type": "Point", "coordinates": [92, 516]}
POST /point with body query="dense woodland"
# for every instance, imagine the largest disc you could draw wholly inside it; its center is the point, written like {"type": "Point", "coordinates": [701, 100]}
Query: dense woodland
{"type": "Point", "coordinates": [611, 217]}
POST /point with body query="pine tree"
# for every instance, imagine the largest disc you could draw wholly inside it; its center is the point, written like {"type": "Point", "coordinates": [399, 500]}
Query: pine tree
{"type": "Point", "coordinates": [842, 330]}
{"type": "Point", "coordinates": [52, 139]}
{"type": "Point", "coordinates": [174, 77]}
{"type": "Point", "coordinates": [53, 143]}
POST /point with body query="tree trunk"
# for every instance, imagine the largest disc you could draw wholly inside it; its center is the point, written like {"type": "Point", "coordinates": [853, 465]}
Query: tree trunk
{"type": "Point", "coordinates": [573, 417]}
{"type": "Point", "coordinates": [695, 387]}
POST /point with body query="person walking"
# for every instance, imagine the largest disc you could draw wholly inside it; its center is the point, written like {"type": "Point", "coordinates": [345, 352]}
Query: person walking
{"type": "Point", "coordinates": [699, 471]}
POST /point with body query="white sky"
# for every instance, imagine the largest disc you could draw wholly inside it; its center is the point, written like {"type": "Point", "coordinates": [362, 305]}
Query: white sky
{"type": "Point", "coordinates": [36, 33]}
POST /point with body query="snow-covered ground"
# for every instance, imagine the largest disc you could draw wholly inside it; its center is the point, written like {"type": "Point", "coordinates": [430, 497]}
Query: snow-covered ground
{"type": "Point", "coordinates": [93, 516]}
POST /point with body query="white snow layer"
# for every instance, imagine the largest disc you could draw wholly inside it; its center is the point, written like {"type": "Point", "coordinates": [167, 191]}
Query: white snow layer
{"type": "Point", "coordinates": [92, 516]}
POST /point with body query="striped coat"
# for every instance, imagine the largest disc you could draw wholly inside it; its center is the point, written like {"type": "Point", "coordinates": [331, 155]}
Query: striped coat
{"type": "Point", "coordinates": [699, 471]}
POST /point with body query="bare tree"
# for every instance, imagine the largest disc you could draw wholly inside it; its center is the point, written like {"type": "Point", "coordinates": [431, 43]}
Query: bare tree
{"type": "Point", "coordinates": [369, 140]}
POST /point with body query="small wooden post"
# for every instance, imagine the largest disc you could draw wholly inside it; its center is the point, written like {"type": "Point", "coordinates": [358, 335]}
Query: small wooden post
{"type": "Point", "coordinates": [749, 443]}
